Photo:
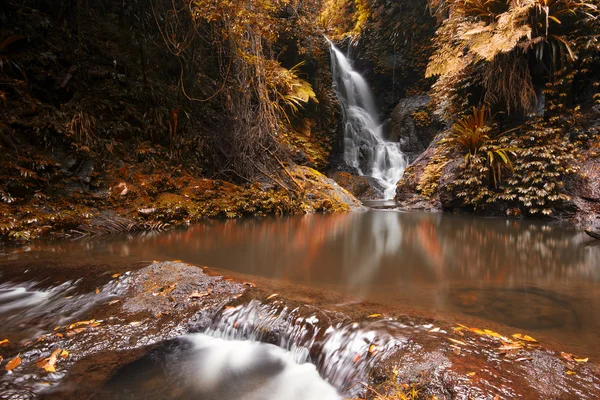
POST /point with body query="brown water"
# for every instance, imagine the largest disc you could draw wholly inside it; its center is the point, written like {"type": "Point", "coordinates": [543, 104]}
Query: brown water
{"type": "Point", "coordinates": [507, 275]}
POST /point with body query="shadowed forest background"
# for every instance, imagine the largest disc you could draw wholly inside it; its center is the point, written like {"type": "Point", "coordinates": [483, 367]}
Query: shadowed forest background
{"type": "Point", "coordinates": [135, 115]}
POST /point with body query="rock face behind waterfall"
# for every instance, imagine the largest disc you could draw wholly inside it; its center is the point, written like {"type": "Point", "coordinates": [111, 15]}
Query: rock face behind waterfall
{"type": "Point", "coordinates": [413, 125]}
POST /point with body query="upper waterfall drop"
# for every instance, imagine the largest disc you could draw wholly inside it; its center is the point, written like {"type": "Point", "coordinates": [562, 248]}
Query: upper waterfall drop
{"type": "Point", "coordinates": [364, 146]}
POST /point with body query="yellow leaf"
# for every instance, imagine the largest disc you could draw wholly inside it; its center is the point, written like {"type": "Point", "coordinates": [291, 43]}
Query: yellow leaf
{"type": "Point", "coordinates": [12, 364]}
{"type": "Point", "coordinates": [477, 331]}
{"type": "Point", "coordinates": [434, 330]}
{"type": "Point", "coordinates": [116, 275]}
{"type": "Point", "coordinates": [372, 348]}
{"type": "Point", "coordinates": [271, 296]}
{"type": "Point", "coordinates": [571, 372]}
{"type": "Point", "coordinates": [471, 373]}
{"type": "Point", "coordinates": [581, 360]}
{"type": "Point", "coordinates": [4, 342]}
{"type": "Point", "coordinates": [527, 338]}
{"type": "Point", "coordinates": [374, 315]}
{"type": "Point", "coordinates": [49, 363]}
{"type": "Point", "coordinates": [64, 354]}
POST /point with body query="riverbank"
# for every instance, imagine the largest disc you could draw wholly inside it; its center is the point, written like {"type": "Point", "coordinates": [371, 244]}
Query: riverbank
{"type": "Point", "coordinates": [134, 199]}
{"type": "Point", "coordinates": [131, 313]}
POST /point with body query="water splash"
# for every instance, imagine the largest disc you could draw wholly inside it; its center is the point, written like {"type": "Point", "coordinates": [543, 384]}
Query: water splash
{"type": "Point", "coordinates": [344, 353]}
{"type": "Point", "coordinates": [201, 367]}
{"type": "Point", "coordinates": [364, 146]}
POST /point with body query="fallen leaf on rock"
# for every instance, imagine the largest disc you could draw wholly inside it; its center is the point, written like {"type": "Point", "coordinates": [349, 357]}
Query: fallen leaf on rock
{"type": "Point", "coordinates": [49, 363]}
{"type": "Point", "coordinates": [97, 290]}
{"type": "Point", "coordinates": [581, 360]}
{"type": "Point", "coordinates": [457, 341]}
{"type": "Point", "coordinates": [64, 354]}
{"type": "Point", "coordinates": [271, 296]}
{"type": "Point", "coordinates": [496, 335]}
{"type": "Point", "coordinates": [75, 331]}
{"type": "Point", "coordinates": [177, 261]}
{"type": "Point", "coordinates": [135, 323]}
{"type": "Point", "coordinates": [60, 335]}
{"type": "Point", "coordinates": [524, 359]}
{"type": "Point", "coordinates": [12, 364]}
{"type": "Point", "coordinates": [27, 343]}
{"type": "Point", "coordinates": [375, 316]}
{"type": "Point", "coordinates": [471, 373]}
{"type": "Point", "coordinates": [478, 331]}
{"type": "Point", "coordinates": [91, 322]}
{"type": "Point", "coordinates": [508, 347]}
{"type": "Point", "coordinates": [372, 349]}
{"type": "Point", "coordinates": [526, 338]}
{"type": "Point", "coordinates": [434, 330]}
{"type": "Point", "coordinates": [110, 303]}
{"type": "Point", "coordinates": [4, 342]}
{"type": "Point", "coordinates": [571, 372]}
{"type": "Point", "coordinates": [116, 275]}
{"type": "Point", "coordinates": [567, 356]}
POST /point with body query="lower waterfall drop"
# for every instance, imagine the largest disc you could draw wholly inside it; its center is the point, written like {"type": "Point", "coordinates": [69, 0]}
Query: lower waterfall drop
{"type": "Point", "coordinates": [364, 146]}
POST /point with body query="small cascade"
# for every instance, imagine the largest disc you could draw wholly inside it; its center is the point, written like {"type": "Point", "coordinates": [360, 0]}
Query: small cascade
{"type": "Point", "coordinates": [344, 352]}
{"type": "Point", "coordinates": [28, 308]}
{"type": "Point", "coordinates": [364, 146]}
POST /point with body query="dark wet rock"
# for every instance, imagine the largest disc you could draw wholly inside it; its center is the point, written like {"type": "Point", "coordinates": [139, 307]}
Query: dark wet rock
{"type": "Point", "coordinates": [584, 189]}
{"type": "Point", "coordinates": [164, 286]}
{"type": "Point", "coordinates": [413, 126]}
{"type": "Point", "coordinates": [153, 305]}
{"type": "Point", "coordinates": [594, 234]}
{"type": "Point", "coordinates": [407, 192]}
{"type": "Point", "coordinates": [85, 171]}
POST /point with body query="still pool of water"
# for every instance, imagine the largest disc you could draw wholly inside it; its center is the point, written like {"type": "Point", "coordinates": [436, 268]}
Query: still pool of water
{"type": "Point", "coordinates": [508, 275]}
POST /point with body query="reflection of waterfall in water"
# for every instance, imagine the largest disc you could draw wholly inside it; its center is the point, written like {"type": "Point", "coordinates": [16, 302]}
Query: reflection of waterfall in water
{"type": "Point", "coordinates": [364, 146]}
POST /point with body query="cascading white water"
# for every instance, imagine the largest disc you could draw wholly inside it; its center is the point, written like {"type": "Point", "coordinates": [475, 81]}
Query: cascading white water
{"type": "Point", "coordinates": [364, 146]}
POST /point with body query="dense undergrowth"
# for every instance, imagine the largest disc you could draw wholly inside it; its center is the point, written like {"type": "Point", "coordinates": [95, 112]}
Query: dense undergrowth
{"type": "Point", "coordinates": [529, 69]}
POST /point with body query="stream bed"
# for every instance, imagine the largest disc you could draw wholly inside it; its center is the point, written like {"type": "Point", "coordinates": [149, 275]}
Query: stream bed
{"type": "Point", "coordinates": [511, 276]}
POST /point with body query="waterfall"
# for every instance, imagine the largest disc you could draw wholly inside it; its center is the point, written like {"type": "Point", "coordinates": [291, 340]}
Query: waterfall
{"type": "Point", "coordinates": [364, 146]}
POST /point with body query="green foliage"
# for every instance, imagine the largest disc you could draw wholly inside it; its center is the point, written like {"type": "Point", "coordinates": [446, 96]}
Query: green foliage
{"type": "Point", "coordinates": [535, 183]}
{"type": "Point", "coordinates": [471, 133]}
{"type": "Point", "coordinates": [545, 159]}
